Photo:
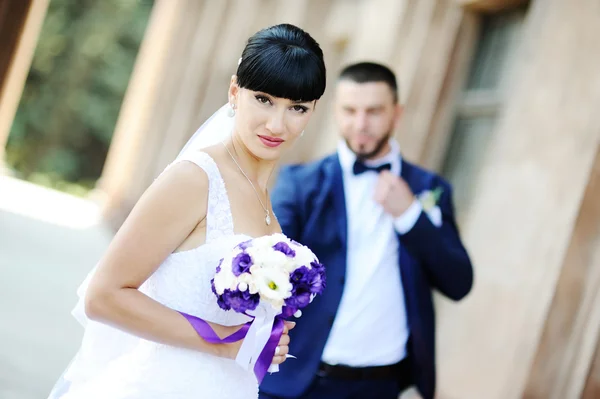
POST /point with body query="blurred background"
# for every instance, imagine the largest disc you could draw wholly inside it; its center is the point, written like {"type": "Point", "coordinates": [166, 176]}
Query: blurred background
{"type": "Point", "coordinates": [501, 97]}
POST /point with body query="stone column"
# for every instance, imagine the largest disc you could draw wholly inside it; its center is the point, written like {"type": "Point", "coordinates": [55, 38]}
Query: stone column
{"type": "Point", "coordinates": [424, 70]}
{"type": "Point", "coordinates": [20, 26]}
{"type": "Point", "coordinates": [563, 366]}
{"type": "Point", "coordinates": [523, 219]}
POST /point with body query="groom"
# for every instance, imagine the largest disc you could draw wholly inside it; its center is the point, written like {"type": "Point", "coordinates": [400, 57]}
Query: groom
{"type": "Point", "coordinates": [385, 231]}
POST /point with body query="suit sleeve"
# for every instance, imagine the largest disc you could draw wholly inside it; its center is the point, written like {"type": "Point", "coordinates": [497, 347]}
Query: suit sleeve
{"type": "Point", "coordinates": [441, 251]}
{"type": "Point", "coordinates": [284, 199]}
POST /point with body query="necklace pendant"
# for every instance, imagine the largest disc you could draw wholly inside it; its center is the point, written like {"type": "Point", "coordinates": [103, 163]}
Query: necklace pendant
{"type": "Point", "coordinates": [268, 219]}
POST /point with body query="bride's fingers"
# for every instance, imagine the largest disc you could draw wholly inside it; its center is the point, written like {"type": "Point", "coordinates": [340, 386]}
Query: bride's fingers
{"type": "Point", "coordinates": [284, 340]}
{"type": "Point", "coordinates": [282, 350]}
{"type": "Point", "coordinates": [288, 325]}
{"type": "Point", "coordinates": [278, 360]}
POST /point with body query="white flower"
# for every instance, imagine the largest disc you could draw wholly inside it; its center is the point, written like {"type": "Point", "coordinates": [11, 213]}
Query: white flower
{"type": "Point", "coordinates": [274, 259]}
{"type": "Point", "coordinates": [273, 285]}
{"type": "Point", "coordinates": [290, 264]}
{"type": "Point", "coordinates": [258, 253]}
{"type": "Point", "coordinates": [267, 257]}
{"type": "Point", "coordinates": [224, 280]}
{"type": "Point", "coordinates": [304, 256]}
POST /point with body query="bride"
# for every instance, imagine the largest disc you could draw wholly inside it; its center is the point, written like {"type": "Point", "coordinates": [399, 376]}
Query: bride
{"type": "Point", "coordinates": [213, 196]}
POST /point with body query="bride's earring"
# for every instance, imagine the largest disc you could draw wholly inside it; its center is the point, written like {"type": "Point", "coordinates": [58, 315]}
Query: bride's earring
{"type": "Point", "coordinates": [231, 111]}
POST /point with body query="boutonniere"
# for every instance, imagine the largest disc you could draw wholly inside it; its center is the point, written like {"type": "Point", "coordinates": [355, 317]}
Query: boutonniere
{"type": "Point", "coordinates": [429, 202]}
{"type": "Point", "coordinates": [429, 198]}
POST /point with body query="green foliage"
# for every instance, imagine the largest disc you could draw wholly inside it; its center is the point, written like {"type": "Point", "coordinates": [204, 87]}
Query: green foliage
{"type": "Point", "coordinates": [74, 90]}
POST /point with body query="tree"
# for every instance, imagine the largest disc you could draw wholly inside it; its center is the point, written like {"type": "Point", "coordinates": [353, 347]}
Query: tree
{"type": "Point", "coordinates": [74, 90]}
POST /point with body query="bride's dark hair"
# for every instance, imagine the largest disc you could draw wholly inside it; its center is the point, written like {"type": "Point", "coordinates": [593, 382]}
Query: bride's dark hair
{"type": "Point", "coordinates": [283, 61]}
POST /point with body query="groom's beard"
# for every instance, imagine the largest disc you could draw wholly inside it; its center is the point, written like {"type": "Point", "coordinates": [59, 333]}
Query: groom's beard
{"type": "Point", "coordinates": [365, 156]}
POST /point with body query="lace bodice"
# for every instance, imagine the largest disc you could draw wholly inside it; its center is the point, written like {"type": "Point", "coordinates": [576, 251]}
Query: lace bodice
{"type": "Point", "coordinates": [114, 364]}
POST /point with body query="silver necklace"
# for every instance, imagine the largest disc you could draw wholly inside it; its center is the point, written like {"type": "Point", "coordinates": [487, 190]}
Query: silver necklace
{"type": "Point", "coordinates": [267, 212]}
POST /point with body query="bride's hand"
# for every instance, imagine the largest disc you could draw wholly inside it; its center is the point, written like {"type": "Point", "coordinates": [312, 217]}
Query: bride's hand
{"type": "Point", "coordinates": [284, 341]}
{"type": "Point", "coordinates": [231, 350]}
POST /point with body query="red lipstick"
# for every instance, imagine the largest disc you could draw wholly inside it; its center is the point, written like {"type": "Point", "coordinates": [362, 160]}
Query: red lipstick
{"type": "Point", "coordinates": [270, 141]}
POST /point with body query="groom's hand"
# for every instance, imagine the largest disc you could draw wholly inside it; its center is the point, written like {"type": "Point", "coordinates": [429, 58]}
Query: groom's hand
{"type": "Point", "coordinates": [283, 348]}
{"type": "Point", "coordinates": [393, 193]}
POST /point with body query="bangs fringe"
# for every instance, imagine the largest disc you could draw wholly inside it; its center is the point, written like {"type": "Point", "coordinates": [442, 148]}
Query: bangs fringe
{"type": "Point", "coordinates": [288, 72]}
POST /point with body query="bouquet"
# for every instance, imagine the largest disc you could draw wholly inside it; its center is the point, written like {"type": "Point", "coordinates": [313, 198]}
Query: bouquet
{"type": "Point", "coordinates": [272, 269]}
{"type": "Point", "coordinates": [268, 278]}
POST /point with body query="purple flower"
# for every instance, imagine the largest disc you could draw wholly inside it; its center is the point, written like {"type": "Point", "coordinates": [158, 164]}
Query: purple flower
{"type": "Point", "coordinates": [285, 249]}
{"type": "Point", "coordinates": [300, 297]}
{"type": "Point", "coordinates": [314, 277]}
{"type": "Point", "coordinates": [301, 291]}
{"type": "Point", "coordinates": [220, 298]}
{"type": "Point", "coordinates": [241, 263]}
{"type": "Point", "coordinates": [244, 245]}
{"type": "Point", "coordinates": [221, 302]}
{"type": "Point", "coordinates": [300, 276]}
{"type": "Point", "coordinates": [240, 301]}
{"type": "Point", "coordinates": [315, 265]}
{"type": "Point", "coordinates": [317, 278]}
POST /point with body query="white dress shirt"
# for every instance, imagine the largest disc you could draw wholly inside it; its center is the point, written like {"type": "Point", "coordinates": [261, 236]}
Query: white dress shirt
{"type": "Point", "coordinates": [370, 327]}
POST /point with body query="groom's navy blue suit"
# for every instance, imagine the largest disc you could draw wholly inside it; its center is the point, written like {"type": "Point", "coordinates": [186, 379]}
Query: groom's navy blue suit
{"type": "Point", "coordinates": [310, 206]}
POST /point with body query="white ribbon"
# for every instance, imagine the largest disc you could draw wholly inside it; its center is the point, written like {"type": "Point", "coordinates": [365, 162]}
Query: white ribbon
{"type": "Point", "coordinates": [257, 336]}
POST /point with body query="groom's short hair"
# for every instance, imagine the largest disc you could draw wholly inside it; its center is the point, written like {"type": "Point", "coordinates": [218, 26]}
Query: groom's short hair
{"type": "Point", "coordinates": [365, 72]}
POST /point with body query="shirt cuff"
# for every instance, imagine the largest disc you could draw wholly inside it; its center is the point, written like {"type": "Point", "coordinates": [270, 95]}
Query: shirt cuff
{"type": "Point", "coordinates": [408, 219]}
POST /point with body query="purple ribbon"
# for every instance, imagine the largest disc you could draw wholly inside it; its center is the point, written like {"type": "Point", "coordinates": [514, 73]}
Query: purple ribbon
{"type": "Point", "coordinates": [266, 355]}
{"type": "Point", "coordinates": [265, 358]}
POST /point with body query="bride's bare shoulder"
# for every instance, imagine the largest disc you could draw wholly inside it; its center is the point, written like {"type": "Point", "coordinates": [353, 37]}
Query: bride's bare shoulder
{"type": "Point", "coordinates": [182, 186]}
{"type": "Point", "coordinates": [184, 174]}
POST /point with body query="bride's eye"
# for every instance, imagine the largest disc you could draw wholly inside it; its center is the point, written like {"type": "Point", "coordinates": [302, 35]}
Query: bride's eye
{"type": "Point", "coordinates": [300, 108]}
{"type": "Point", "coordinates": [262, 99]}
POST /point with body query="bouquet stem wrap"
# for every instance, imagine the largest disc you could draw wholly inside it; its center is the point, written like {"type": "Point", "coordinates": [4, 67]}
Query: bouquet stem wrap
{"type": "Point", "coordinates": [260, 336]}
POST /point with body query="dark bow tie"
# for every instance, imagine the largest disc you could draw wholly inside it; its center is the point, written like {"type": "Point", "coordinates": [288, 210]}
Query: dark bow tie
{"type": "Point", "coordinates": [360, 167]}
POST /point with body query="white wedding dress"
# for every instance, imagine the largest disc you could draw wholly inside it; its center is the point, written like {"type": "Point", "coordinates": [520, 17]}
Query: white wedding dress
{"type": "Point", "coordinates": [114, 365]}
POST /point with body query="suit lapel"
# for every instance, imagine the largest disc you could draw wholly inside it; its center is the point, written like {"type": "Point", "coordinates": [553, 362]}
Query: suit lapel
{"type": "Point", "coordinates": [336, 182]}
{"type": "Point", "coordinates": [405, 173]}
{"type": "Point", "coordinates": [403, 256]}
